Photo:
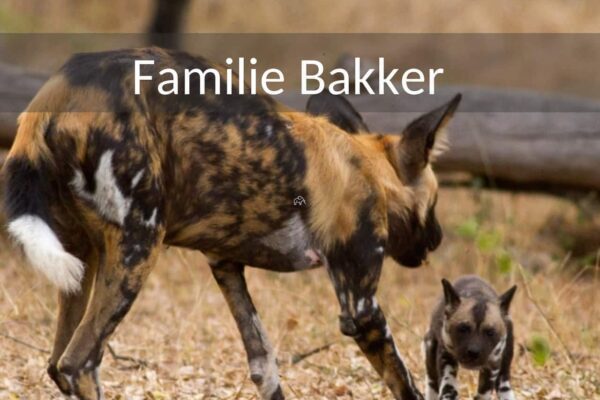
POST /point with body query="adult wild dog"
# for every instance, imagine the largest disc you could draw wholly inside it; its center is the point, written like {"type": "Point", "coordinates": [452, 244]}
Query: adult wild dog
{"type": "Point", "coordinates": [98, 179]}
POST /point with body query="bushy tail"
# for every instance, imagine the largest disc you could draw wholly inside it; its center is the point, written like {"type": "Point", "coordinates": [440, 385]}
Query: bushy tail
{"type": "Point", "coordinates": [28, 191]}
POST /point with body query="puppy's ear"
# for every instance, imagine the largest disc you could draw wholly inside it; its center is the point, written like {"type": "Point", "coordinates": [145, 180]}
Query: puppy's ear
{"type": "Point", "coordinates": [506, 299]}
{"type": "Point", "coordinates": [451, 298]}
{"type": "Point", "coordinates": [338, 110]}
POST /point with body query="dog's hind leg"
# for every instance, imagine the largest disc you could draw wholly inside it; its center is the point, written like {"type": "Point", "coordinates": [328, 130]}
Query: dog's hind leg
{"type": "Point", "coordinates": [261, 356]}
{"type": "Point", "coordinates": [118, 281]}
{"type": "Point", "coordinates": [71, 307]}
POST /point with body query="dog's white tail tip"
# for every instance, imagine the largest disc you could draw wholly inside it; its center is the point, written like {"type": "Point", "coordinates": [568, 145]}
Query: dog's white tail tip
{"type": "Point", "coordinates": [46, 254]}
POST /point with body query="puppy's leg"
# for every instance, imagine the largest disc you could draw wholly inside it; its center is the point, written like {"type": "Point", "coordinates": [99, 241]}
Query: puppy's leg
{"type": "Point", "coordinates": [261, 356]}
{"type": "Point", "coordinates": [503, 386]}
{"type": "Point", "coordinates": [117, 284]}
{"type": "Point", "coordinates": [355, 277]}
{"type": "Point", "coordinates": [487, 383]}
{"type": "Point", "coordinates": [430, 353]}
{"type": "Point", "coordinates": [71, 308]}
{"type": "Point", "coordinates": [447, 371]}
{"type": "Point", "coordinates": [505, 391]}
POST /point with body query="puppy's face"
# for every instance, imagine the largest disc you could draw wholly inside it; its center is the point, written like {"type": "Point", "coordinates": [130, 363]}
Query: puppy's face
{"type": "Point", "coordinates": [474, 329]}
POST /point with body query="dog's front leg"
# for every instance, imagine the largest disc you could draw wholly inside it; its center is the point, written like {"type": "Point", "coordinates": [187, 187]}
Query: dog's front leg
{"type": "Point", "coordinates": [447, 372]}
{"type": "Point", "coordinates": [496, 377]}
{"type": "Point", "coordinates": [355, 272]}
{"type": "Point", "coordinates": [487, 382]}
{"type": "Point", "coordinates": [261, 356]}
{"type": "Point", "coordinates": [503, 386]}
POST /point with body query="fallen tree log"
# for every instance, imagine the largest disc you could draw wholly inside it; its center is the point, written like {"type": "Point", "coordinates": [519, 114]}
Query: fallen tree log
{"type": "Point", "coordinates": [17, 88]}
{"type": "Point", "coordinates": [537, 140]}
{"type": "Point", "coordinates": [536, 149]}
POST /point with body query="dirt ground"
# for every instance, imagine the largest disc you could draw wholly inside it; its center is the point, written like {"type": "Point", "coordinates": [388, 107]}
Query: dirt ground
{"type": "Point", "coordinates": [180, 326]}
{"type": "Point", "coordinates": [181, 329]}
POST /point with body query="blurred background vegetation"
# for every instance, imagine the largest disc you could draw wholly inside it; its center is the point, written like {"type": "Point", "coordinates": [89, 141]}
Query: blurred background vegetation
{"type": "Point", "coordinates": [483, 16]}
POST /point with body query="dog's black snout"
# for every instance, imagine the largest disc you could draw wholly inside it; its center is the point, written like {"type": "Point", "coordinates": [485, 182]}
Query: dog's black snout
{"type": "Point", "coordinates": [473, 354]}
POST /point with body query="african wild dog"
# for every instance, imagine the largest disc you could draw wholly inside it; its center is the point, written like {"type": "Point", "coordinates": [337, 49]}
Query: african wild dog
{"type": "Point", "coordinates": [470, 327]}
{"type": "Point", "coordinates": [92, 195]}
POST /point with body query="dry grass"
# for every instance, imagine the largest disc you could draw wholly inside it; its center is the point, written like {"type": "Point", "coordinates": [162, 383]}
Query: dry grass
{"type": "Point", "coordinates": [181, 327]}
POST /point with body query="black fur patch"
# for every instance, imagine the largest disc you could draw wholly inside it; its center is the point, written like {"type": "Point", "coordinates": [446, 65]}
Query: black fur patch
{"type": "Point", "coordinates": [338, 111]}
{"type": "Point", "coordinates": [102, 70]}
{"type": "Point", "coordinates": [358, 257]}
{"type": "Point", "coordinates": [28, 189]}
{"type": "Point", "coordinates": [479, 310]}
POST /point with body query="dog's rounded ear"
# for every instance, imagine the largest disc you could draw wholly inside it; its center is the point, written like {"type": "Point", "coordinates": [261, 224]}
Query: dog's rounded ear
{"type": "Point", "coordinates": [338, 110]}
{"type": "Point", "coordinates": [421, 140]}
{"type": "Point", "coordinates": [451, 297]}
{"type": "Point", "coordinates": [506, 299]}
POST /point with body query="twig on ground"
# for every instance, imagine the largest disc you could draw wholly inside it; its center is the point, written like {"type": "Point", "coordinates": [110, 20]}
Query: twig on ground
{"type": "Point", "coordinates": [138, 362]}
{"type": "Point", "coordinates": [296, 358]}
{"type": "Point", "coordinates": [293, 390]}
{"type": "Point", "coordinates": [21, 342]}
{"type": "Point", "coordinates": [543, 315]}
{"type": "Point", "coordinates": [239, 391]}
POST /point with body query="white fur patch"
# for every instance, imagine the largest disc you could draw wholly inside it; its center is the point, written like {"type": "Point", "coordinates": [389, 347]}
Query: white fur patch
{"type": "Point", "coordinates": [137, 178]}
{"type": "Point", "coordinates": [505, 391]}
{"type": "Point", "coordinates": [430, 394]}
{"type": "Point", "coordinates": [510, 395]}
{"type": "Point", "coordinates": [151, 222]}
{"type": "Point", "coordinates": [494, 375]}
{"type": "Point", "coordinates": [265, 366]}
{"type": "Point", "coordinates": [448, 379]}
{"type": "Point", "coordinates": [498, 351]}
{"type": "Point", "coordinates": [107, 197]}
{"type": "Point", "coordinates": [388, 332]}
{"type": "Point", "coordinates": [46, 254]}
{"type": "Point", "coordinates": [100, 390]}
{"type": "Point", "coordinates": [360, 306]}
{"type": "Point", "coordinates": [484, 396]}
{"type": "Point", "coordinates": [269, 130]}
{"type": "Point", "coordinates": [374, 304]}
{"type": "Point", "coordinates": [342, 297]}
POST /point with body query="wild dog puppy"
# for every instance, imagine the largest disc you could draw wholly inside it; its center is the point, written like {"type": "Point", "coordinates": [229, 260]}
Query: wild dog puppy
{"type": "Point", "coordinates": [98, 179]}
{"type": "Point", "coordinates": [470, 327]}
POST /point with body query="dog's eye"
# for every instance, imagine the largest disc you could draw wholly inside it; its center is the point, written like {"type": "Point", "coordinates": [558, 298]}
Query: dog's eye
{"type": "Point", "coordinates": [463, 329]}
{"type": "Point", "coordinates": [489, 332]}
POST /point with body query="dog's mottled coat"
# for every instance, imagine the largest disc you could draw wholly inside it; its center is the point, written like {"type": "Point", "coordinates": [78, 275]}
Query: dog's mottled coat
{"type": "Point", "coordinates": [106, 177]}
